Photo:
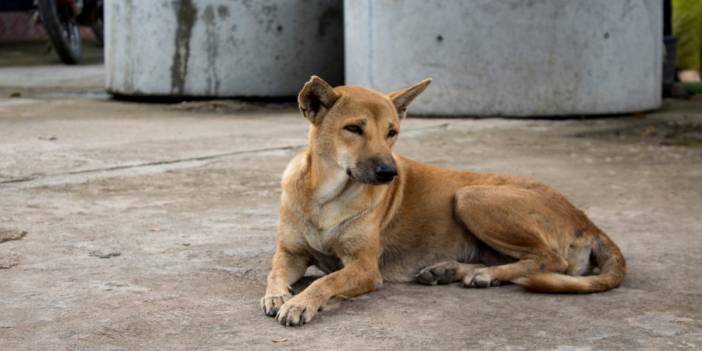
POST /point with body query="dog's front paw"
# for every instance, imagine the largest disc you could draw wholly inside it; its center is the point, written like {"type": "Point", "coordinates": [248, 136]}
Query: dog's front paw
{"type": "Point", "coordinates": [272, 303]}
{"type": "Point", "coordinates": [296, 312]}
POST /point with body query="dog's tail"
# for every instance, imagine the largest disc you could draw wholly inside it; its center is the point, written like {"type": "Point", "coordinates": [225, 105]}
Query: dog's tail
{"type": "Point", "coordinates": [608, 258]}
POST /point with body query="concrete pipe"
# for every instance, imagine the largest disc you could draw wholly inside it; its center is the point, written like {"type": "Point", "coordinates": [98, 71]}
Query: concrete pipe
{"type": "Point", "coordinates": [221, 48]}
{"type": "Point", "coordinates": [511, 57]}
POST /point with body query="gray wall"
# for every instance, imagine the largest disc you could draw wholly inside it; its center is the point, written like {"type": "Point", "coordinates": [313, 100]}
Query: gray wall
{"type": "Point", "coordinates": [221, 47]}
{"type": "Point", "coordinates": [510, 57]}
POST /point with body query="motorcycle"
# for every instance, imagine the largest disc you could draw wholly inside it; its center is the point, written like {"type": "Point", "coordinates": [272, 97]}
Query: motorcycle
{"type": "Point", "coordinates": [62, 20]}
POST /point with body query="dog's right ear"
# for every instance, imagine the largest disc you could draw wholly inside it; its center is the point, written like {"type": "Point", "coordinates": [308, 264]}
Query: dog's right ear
{"type": "Point", "coordinates": [403, 97]}
{"type": "Point", "coordinates": [316, 99]}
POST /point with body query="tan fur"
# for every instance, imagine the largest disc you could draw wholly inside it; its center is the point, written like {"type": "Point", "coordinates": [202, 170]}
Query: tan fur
{"type": "Point", "coordinates": [428, 224]}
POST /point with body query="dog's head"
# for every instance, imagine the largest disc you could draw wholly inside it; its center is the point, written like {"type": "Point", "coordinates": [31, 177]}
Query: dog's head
{"type": "Point", "coordinates": [356, 128]}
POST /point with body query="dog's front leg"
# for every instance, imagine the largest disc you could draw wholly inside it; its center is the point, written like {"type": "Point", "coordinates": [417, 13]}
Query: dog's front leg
{"type": "Point", "coordinates": [359, 276]}
{"type": "Point", "coordinates": [287, 268]}
{"type": "Point", "coordinates": [290, 261]}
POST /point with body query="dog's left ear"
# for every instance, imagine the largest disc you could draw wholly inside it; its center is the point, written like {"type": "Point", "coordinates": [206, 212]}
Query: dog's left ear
{"type": "Point", "coordinates": [403, 97]}
{"type": "Point", "coordinates": [316, 98]}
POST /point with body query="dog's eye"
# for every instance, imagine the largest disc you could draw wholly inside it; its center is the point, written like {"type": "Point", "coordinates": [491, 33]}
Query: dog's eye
{"type": "Point", "coordinates": [355, 129]}
{"type": "Point", "coordinates": [392, 133]}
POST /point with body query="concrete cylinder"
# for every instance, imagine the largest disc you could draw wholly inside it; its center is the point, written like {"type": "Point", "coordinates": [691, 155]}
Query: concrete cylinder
{"type": "Point", "coordinates": [510, 57]}
{"type": "Point", "coordinates": [221, 48]}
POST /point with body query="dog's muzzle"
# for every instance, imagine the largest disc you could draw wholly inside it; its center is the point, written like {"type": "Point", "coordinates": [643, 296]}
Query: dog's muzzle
{"type": "Point", "coordinates": [374, 171]}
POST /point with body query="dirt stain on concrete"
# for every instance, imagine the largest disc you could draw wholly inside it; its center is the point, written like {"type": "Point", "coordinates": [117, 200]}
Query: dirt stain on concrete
{"type": "Point", "coordinates": [211, 44]}
{"type": "Point", "coordinates": [666, 133]}
{"type": "Point", "coordinates": [11, 234]}
{"type": "Point", "coordinates": [222, 11]}
{"type": "Point", "coordinates": [186, 15]}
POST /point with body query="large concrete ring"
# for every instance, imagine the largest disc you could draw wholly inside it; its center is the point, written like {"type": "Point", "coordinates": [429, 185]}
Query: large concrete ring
{"type": "Point", "coordinates": [221, 48]}
{"type": "Point", "coordinates": [510, 57]}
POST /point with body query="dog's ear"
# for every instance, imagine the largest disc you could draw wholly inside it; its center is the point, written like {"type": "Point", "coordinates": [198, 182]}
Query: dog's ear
{"type": "Point", "coordinates": [316, 98]}
{"type": "Point", "coordinates": [403, 97]}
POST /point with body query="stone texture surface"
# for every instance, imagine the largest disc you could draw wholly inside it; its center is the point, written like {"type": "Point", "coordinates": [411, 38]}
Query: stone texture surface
{"type": "Point", "coordinates": [188, 197]}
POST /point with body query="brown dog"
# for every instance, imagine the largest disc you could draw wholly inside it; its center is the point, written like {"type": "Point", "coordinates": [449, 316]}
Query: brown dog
{"type": "Point", "coordinates": [363, 215]}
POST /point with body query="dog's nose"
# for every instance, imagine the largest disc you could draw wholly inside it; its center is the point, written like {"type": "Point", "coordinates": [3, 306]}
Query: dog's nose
{"type": "Point", "coordinates": [385, 173]}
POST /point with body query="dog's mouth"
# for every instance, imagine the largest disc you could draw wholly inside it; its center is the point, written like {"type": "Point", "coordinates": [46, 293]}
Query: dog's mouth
{"type": "Point", "coordinates": [369, 178]}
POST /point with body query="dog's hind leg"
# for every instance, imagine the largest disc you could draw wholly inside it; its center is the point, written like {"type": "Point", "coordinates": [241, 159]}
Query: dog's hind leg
{"type": "Point", "coordinates": [495, 275]}
{"type": "Point", "coordinates": [533, 227]}
{"type": "Point", "coordinates": [446, 272]}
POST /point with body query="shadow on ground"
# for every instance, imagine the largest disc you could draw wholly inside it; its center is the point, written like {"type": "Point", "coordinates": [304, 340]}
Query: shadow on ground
{"type": "Point", "coordinates": [40, 53]}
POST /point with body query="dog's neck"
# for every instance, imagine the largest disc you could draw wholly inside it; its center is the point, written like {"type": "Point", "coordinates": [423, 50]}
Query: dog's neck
{"type": "Point", "coordinates": [327, 180]}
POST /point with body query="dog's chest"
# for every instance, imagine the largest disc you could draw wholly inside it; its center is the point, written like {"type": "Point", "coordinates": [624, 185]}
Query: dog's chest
{"type": "Point", "coordinates": [319, 245]}
{"type": "Point", "coordinates": [323, 230]}
{"type": "Point", "coordinates": [318, 240]}
{"type": "Point", "coordinates": [324, 227]}
{"type": "Point", "coordinates": [321, 238]}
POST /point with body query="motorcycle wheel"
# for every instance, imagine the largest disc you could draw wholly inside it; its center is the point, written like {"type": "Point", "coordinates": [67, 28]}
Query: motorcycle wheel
{"type": "Point", "coordinates": [98, 30]}
{"type": "Point", "coordinates": [62, 29]}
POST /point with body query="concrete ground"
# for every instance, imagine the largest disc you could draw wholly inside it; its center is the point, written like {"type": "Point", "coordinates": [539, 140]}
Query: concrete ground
{"type": "Point", "coordinates": [127, 226]}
